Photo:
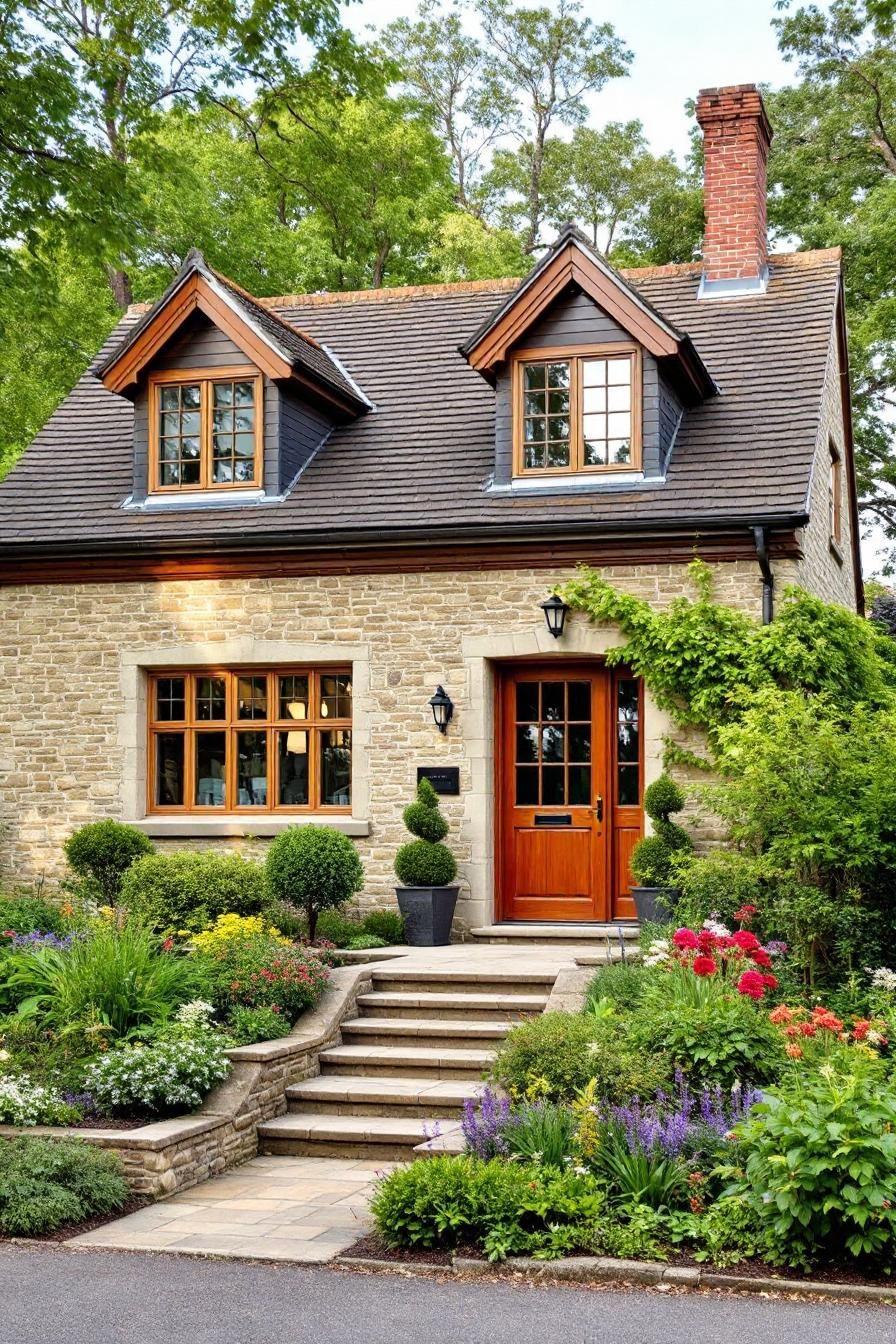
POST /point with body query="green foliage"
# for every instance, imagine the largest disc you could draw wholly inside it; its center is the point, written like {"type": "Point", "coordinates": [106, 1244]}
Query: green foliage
{"type": "Point", "coordinates": [45, 1183]}
{"type": "Point", "coordinates": [103, 851]}
{"type": "Point", "coordinates": [315, 868]}
{"type": "Point", "coordinates": [24, 1102]}
{"type": "Point", "coordinates": [161, 1078]}
{"type": "Point", "coordinates": [506, 1207]}
{"type": "Point", "coordinates": [619, 983]}
{"type": "Point", "coordinates": [108, 985]}
{"type": "Point", "coordinates": [662, 798]}
{"type": "Point", "coordinates": [726, 1232]}
{"type": "Point", "coordinates": [646, 1178]}
{"type": "Point", "coordinates": [556, 1055]}
{"type": "Point", "coordinates": [716, 1036]}
{"type": "Point", "coordinates": [259, 971]}
{"type": "Point", "coordinates": [655, 856]}
{"type": "Point", "coordinates": [541, 1131]}
{"type": "Point", "coordinates": [246, 1026]}
{"type": "Point", "coordinates": [425, 862]}
{"type": "Point", "coordinates": [385, 924]}
{"type": "Point", "coordinates": [719, 883]}
{"type": "Point", "coordinates": [176, 891]}
{"type": "Point", "coordinates": [820, 1167]}
{"type": "Point", "coordinates": [23, 912]}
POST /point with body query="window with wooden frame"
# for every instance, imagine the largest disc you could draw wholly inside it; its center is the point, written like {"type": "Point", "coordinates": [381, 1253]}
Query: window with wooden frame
{"type": "Point", "coordinates": [835, 496]}
{"type": "Point", "coordinates": [577, 410]}
{"type": "Point", "coordinates": [250, 741]}
{"type": "Point", "coordinates": [205, 429]}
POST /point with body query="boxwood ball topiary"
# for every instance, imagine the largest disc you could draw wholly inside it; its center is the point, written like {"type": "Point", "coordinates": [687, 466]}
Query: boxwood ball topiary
{"type": "Point", "coordinates": [425, 821]}
{"type": "Point", "coordinates": [314, 867]}
{"type": "Point", "coordinates": [662, 798]}
{"type": "Point", "coordinates": [424, 864]}
{"type": "Point", "coordinates": [103, 851]}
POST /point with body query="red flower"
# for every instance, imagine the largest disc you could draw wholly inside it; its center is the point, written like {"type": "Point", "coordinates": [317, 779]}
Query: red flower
{"type": "Point", "coordinates": [808, 1028]}
{"type": "Point", "coordinates": [705, 966]}
{"type": "Point", "coordinates": [751, 985]}
{"type": "Point", "coordinates": [168, 944]}
{"type": "Point", "coordinates": [860, 1030]}
{"type": "Point", "coordinates": [781, 1014]}
{"type": "Point", "coordinates": [770, 981]}
{"type": "Point", "coordinates": [686, 939]}
{"type": "Point", "coordinates": [760, 956]}
{"type": "Point", "coordinates": [745, 913]}
{"type": "Point", "coordinates": [745, 940]}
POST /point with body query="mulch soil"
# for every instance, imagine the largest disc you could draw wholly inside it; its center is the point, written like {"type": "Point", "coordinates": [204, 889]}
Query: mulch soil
{"type": "Point", "coordinates": [86, 1224]}
{"type": "Point", "coordinates": [107, 1122]}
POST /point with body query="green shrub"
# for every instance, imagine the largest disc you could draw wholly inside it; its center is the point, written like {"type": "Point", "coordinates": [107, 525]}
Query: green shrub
{"type": "Point", "coordinates": [337, 928]}
{"type": "Point", "coordinates": [645, 1177]}
{"type": "Point", "coordinates": [249, 1025]}
{"type": "Point", "coordinates": [654, 857]}
{"type": "Point", "coordinates": [107, 984]}
{"type": "Point", "coordinates": [557, 1054]}
{"type": "Point", "coordinates": [819, 1158]}
{"type": "Point", "coordinates": [289, 919]}
{"type": "Point", "coordinates": [719, 1037]}
{"type": "Point", "coordinates": [506, 1207]}
{"type": "Point", "coordinates": [23, 1102]}
{"type": "Point", "coordinates": [161, 1078]}
{"type": "Point", "coordinates": [262, 972]}
{"type": "Point", "coordinates": [45, 1183]}
{"type": "Point", "coordinates": [365, 941]}
{"type": "Point", "coordinates": [425, 862]}
{"type": "Point", "coordinates": [620, 984]}
{"type": "Point", "coordinates": [171, 892]}
{"type": "Point", "coordinates": [385, 924]}
{"type": "Point", "coordinates": [103, 851]}
{"type": "Point", "coordinates": [541, 1131]}
{"type": "Point", "coordinates": [315, 868]}
{"type": "Point", "coordinates": [22, 912]}
{"type": "Point", "coordinates": [718, 884]}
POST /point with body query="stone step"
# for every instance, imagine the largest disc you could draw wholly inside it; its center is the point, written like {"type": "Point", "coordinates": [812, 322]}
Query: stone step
{"type": "Point", "coordinates": [316, 1134]}
{"type": "Point", "coordinates": [498, 1007]}
{"type": "Point", "coordinates": [511, 982]}
{"type": "Point", "coordinates": [419, 1098]}
{"type": "Point", "coordinates": [608, 937]}
{"type": "Point", "coordinates": [429, 1032]}
{"type": "Point", "coordinates": [406, 1061]}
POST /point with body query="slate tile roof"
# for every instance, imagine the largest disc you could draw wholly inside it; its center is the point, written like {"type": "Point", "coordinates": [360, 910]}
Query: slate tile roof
{"type": "Point", "coordinates": [418, 464]}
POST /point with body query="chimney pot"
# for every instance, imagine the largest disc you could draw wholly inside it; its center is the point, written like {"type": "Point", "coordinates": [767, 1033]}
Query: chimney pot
{"type": "Point", "coordinates": [736, 139]}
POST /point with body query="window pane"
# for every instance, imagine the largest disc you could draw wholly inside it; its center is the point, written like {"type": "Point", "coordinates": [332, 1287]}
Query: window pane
{"type": "Point", "coordinates": [628, 786]}
{"type": "Point", "coordinates": [618, 425]}
{"type": "Point", "coordinates": [527, 700]}
{"type": "Point", "coordinates": [252, 697]}
{"type": "Point", "coordinates": [534, 375]}
{"type": "Point", "coordinates": [558, 427]}
{"type": "Point", "coordinates": [558, 375]}
{"type": "Point", "coordinates": [618, 398]}
{"type": "Point", "coordinates": [535, 456]}
{"type": "Point", "coordinates": [211, 698]}
{"type": "Point", "coordinates": [527, 786]}
{"type": "Point", "coordinates": [222, 473]}
{"type": "Point", "coordinates": [168, 399]}
{"type": "Point", "coordinates": [552, 740]}
{"type": "Point", "coordinates": [595, 453]}
{"type": "Point", "coordinates": [189, 422]}
{"type": "Point", "coordinates": [534, 431]}
{"type": "Point", "coordinates": [244, 421]}
{"type": "Point", "coordinates": [170, 698]}
{"type": "Point", "coordinates": [579, 786]}
{"type": "Point", "coordinates": [190, 448]}
{"type": "Point", "coordinates": [189, 473]}
{"type": "Point", "coordinates": [223, 394]}
{"type": "Point", "coordinates": [222, 421]}
{"type": "Point", "coordinates": [552, 700]}
{"type": "Point", "coordinates": [558, 454]}
{"type": "Point", "coordinates": [594, 426]}
{"type": "Point", "coordinates": [553, 792]}
{"type": "Point", "coordinates": [579, 742]}
{"type": "Point", "coordinates": [558, 403]}
{"type": "Point", "coordinates": [336, 768]}
{"type": "Point", "coordinates": [252, 769]}
{"type": "Point", "coordinates": [211, 770]}
{"type": "Point", "coordinates": [336, 697]}
{"type": "Point", "coordinates": [170, 474]}
{"type": "Point", "coordinates": [527, 743]}
{"type": "Point", "coordinates": [292, 749]}
{"type": "Point", "coordinates": [594, 372]}
{"type": "Point", "coordinates": [628, 771]}
{"type": "Point", "coordinates": [169, 767]}
{"type": "Point", "coordinates": [293, 697]}
{"type": "Point", "coordinates": [619, 371]}
{"type": "Point", "coordinates": [244, 394]}
{"type": "Point", "coordinates": [244, 445]}
{"type": "Point", "coordinates": [579, 693]}
{"type": "Point", "coordinates": [594, 399]}
{"type": "Point", "coordinates": [243, 469]}
{"type": "Point", "coordinates": [619, 450]}
{"type": "Point", "coordinates": [189, 397]}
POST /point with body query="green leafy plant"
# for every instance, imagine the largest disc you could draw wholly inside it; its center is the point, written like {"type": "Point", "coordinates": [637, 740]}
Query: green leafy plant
{"type": "Point", "coordinates": [719, 884]}
{"type": "Point", "coordinates": [540, 1131]}
{"type": "Point", "coordinates": [315, 868]}
{"type": "Point", "coordinates": [653, 858]}
{"type": "Point", "coordinates": [259, 971]}
{"type": "Point", "coordinates": [717, 1036]}
{"type": "Point", "coordinates": [619, 983]}
{"type": "Point", "coordinates": [640, 1177]}
{"type": "Point", "coordinates": [46, 1183]}
{"type": "Point", "coordinates": [160, 1078]}
{"type": "Point", "coordinates": [102, 851]}
{"type": "Point", "coordinates": [819, 1159]}
{"type": "Point", "coordinates": [385, 924]}
{"type": "Point", "coordinates": [184, 891]}
{"type": "Point", "coordinates": [23, 912]}
{"type": "Point", "coordinates": [425, 862]}
{"type": "Point", "coordinates": [246, 1026]}
{"type": "Point", "coordinates": [23, 1102]}
{"type": "Point", "coordinates": [556, 1055]}
{"type": "Point", "coordinates": [107, 985]}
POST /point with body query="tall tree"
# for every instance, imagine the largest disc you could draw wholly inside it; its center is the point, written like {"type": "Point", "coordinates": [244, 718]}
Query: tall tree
{"type": "Point", "coordinates": [833, 182]}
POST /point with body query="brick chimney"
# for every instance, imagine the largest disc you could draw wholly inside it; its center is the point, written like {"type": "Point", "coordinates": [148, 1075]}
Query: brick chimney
{"type": "Point", "coordinates": [736, 139]}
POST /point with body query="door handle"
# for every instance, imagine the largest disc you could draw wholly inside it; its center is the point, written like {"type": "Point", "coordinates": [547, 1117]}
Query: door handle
{"type": "Point", "coordinates": [599, 807]}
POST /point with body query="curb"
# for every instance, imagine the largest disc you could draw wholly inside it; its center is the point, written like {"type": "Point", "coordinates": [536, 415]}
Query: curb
{"type": "Point", "coordinates": [606, 1269]}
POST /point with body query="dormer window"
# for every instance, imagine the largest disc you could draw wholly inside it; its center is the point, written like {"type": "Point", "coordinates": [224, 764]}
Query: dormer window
{"type": "Point", "coordinates": [205, 432]}
{"type": "Point", "coordinates": [577, 411]}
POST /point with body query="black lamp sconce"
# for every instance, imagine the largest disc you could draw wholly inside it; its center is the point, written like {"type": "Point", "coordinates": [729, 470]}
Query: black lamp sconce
{"type": "Point", "coordinates": [555, 610]}
{"type": "Point", "coordinates": [442, 708]}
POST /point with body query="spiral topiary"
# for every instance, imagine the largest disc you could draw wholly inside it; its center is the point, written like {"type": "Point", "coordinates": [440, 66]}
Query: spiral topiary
{"type": "Point", "coordinates": [425, 862]}
{"type": "Point", "coordinates": [653, 857]}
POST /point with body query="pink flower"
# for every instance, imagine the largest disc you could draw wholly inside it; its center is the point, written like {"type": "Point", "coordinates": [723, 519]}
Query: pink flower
{"type": "Point", "coordinates": [751, 985]}
{"type": "Point", "coordinates": [745, 940]}
{"type": "Point", "coordinates": [704, 966]}
{"type": "Point", "coordinates": [686, 939]}
{"type": "Point", "coordinates": [760, 957]}
{"type": "Point", "coordinates": [770, 981]}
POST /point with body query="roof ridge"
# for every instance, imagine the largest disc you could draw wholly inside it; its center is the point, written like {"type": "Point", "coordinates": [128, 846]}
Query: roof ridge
{"type": "Point", "coordinates": [810, 257]}
{"type": "Point", "coordinates": [251, 298]}
{"type": "Point", "coordinates": [323, 297]}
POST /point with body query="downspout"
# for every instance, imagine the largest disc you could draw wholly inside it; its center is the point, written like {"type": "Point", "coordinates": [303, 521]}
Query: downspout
{"type": "Point", "coordinates": [760, 539]}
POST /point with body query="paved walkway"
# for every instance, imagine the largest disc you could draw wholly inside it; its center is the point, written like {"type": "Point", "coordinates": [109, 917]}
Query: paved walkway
{"type": "Point", "coordinates": [272, 1208]}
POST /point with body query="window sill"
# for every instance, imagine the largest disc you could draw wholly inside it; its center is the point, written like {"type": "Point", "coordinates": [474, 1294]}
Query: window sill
{"type": "Point", "coordinates": [205, 499]}
{"type": "Point", "coordinates": [836, 552]}
{"type": "Point", "coordinates": [196, 826]}
{"type": "Point", "coordinates": [575, 485]}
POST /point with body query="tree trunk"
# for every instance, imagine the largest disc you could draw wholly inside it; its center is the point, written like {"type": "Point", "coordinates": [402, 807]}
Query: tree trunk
{"type": "Point", "coordinates": [120, 285]}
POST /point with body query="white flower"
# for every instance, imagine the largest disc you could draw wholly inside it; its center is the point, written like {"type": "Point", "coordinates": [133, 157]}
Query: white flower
{"type": "Point", "coordinates": [715, 926]}
{"type": "Point", "coordinates": [883, 978]}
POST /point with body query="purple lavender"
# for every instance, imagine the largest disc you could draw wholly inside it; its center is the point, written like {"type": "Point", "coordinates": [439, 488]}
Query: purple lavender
{"type": "Point", "coordinates": [482, 1127]}
{"type": "Point", "coordinates": [684, 1122]}
{"type": "Point", "coordinates": [38, 939]}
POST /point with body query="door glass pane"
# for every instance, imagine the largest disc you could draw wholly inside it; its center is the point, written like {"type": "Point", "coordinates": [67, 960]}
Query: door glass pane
{"type": "Point", "coordinates": [292, 750]}
{"type": "Point", "coordinates": [252, 769]}
{"type": "Point", "coordinates": [252, 697]}
{"type": "Point", "coordinates": [211, 698]}
{"type": "Point", "coordinates": [628, 769]}
{"type": "Point", "coordinates": [579, 693]}
{"type": "Point", "coordinates": [336, 697]}
{"type": "Point", "coordinates": [579, 786]}
{"type": "Point", "coordinates": [552, 700]}
{"type": "Point", "coordinates": [170, 699]}
{"type": "Point", "coordinates": [526, 786]}
{"type": "Point", "coordinates": [294, 697]}
{"type": "Point", "coordinates": [527, 743]}
{"type": "Point", "coordinates": [552, 740]}
{"type": "Point", "coordinates": [336, 768]}
{"type": "Point", "coordinates": [552, 786]}
{"type": "Point", "coordinates": [526, 700]}
{"type": "Point", "coordinates": [210, 769]}
{"type": "Point", "coordinates": [579, 738]}
{"type": "Point", "coordinates": [169, 769]}
{"type": "Point", "coordinates": [628, 786]}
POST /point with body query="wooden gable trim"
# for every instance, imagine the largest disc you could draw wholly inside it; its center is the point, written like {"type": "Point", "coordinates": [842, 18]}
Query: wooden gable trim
{"type": "Point", "coordinates": [194, 295]}
{"type": "Point", "coordinates": [570, 265]}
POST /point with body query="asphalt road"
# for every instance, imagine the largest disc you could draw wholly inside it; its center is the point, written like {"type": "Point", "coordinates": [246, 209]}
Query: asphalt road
{"type": "Point", "coordinates": [62, 1297]}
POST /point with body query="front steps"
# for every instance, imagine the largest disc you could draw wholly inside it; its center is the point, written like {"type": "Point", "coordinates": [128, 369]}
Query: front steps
{"type": "Point", "coordinates": [606, 942]}
{"type": "Point", "coordinates": [418, 1049]}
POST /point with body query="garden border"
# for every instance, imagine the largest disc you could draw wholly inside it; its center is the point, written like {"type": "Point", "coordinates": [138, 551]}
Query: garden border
{"type": "Point", "coordinates": [169, 1155]}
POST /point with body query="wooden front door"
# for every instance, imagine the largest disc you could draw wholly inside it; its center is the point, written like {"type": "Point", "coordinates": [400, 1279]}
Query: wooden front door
{"type": "Point", "coordinates": [569, 791]}
{"type": "Point", "coordinates": [554, 793]}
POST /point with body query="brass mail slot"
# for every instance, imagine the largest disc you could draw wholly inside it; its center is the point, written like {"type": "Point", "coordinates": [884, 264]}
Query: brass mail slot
{"type": "Point", "coordinates": [555, 819]}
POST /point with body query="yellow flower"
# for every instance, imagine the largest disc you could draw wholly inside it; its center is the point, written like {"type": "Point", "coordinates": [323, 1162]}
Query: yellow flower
{"type": "Point", "coordinates": [233, 928]}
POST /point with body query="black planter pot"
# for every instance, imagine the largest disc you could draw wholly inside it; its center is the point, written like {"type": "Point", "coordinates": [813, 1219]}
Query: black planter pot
{"type": "Point", "coordinates": [428, 912]}
{"type": "Point", "coordinates": [654, 905]}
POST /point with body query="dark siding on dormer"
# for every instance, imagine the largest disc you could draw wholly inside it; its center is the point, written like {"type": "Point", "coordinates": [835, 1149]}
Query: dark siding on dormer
{"type": "Point", "coordinates": [574, 319]}
{"type": "Point", "coordinates": [303, 429]}
{"type": "Point", "coordinates": [670, 418]}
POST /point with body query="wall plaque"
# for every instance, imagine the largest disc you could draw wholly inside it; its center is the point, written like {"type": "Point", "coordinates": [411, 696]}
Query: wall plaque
{"type": "Point", "coordinates": [444, 778]}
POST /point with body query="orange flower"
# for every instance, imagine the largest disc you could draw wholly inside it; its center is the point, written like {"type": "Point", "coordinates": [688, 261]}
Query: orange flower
{"type": "Point", "coordinates": [794, 1051]}
{"type": "Point", "coordinates": [781, 1014]}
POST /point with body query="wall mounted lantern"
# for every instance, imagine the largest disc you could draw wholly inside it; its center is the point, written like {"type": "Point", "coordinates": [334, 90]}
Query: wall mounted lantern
{"type": "Point", "coordinates": [442, 709]}
{"type": "Point", "coordinates": [555, 610]}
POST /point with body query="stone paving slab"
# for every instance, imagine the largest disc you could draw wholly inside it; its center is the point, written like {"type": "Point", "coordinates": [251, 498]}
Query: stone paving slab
{"type": "Point", "coordinates": [275, 1208]}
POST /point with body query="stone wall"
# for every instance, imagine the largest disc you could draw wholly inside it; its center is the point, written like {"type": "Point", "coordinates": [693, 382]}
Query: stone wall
{"type": "Point", "coordinates": [175, 1154]}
